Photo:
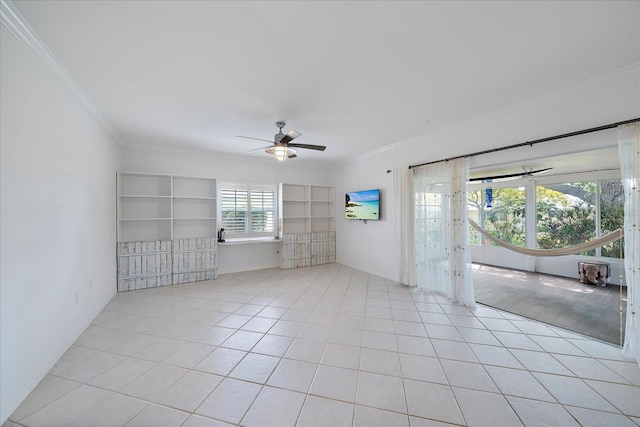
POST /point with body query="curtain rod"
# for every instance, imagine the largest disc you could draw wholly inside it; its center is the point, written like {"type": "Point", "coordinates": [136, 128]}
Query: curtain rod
{"type": "Point", "coordinates": [531, 143]}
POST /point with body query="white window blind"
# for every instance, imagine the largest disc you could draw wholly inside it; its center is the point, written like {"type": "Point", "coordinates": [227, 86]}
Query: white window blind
{"type": "Point", "coordinates": [262, 211]}
{"type": "Point", "coordinates": [247, 210]}
{"type": "Point", "coordinates": [235, 204]}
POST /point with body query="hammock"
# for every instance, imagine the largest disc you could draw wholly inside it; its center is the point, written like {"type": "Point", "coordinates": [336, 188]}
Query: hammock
{"type": "Point", "coordinates": [592, 244]}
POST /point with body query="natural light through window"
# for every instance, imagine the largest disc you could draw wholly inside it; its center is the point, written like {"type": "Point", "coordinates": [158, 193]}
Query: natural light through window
{"type": "Point", "coordinates": [248, 210]}
{"type": "Point", "coordinates": [566, 214]}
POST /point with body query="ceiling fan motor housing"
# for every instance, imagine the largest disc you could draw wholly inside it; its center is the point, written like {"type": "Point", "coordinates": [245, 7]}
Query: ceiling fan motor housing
{"type": "Point", "coordinates": [278, 136]}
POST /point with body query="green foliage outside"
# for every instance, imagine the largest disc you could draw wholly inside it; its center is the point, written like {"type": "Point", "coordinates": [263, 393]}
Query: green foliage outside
{"type": "Point", "coordinates": [505, 219]}
{"type": "Point", "coordinates": [612, 215]}
{"type": "Point", "coordinates": [563, 218]}
{"type": "Point", "coordinates": [565, 215]}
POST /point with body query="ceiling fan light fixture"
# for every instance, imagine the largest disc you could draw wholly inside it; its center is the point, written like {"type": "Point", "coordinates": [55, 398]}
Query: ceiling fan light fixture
{"type": "Point", "coordinates": [281, 153]}
{"type": "Point", "coordinates": [282, 148]}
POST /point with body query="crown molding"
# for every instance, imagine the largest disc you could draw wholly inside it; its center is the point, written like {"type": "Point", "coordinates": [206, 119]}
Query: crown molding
{"type": "Point", "coordinates": [623, 72]}
{"type": "Point", "coordinates": [633, 69]}
{"type": "Point", "coordinates": [20, 28]}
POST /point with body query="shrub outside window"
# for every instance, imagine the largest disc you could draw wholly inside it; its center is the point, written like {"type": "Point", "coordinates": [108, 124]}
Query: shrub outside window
{"type": "Point", "coordinates": [567, 213]}
{"type": "Point", "coordinates": [576, 212]}
{"type": "Point", "coordinates": [499, 211]}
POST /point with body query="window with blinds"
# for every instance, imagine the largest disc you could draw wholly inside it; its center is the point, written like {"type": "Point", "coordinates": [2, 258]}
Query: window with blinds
{"type": "Point", "coordinates": [247, 210]}
{"type": "Point", "coordinates": [262, 211]}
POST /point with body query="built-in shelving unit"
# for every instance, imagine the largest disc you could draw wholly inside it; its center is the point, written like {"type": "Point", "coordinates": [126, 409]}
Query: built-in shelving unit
{"type": "Point", "coordinates": [194, 207]}
{"type": "Point", "coordinates": [306, 225]}
{"type": "Point", "coordinates": [144, 207]}
{"type": "Point", "coordinates": [175, 213]}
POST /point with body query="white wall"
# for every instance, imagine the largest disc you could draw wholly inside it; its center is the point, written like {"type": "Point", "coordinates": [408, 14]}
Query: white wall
{"type": "Point", "coordinates": [57, 221]}
{"type": "Point", "coordinates": [367, 246]}
{"type": "Point", "coordinates": [231, 258]}
{"type": "Point", "coordinates": [600, 101]}
{"type": "Point", "coordinates": [222, 167]}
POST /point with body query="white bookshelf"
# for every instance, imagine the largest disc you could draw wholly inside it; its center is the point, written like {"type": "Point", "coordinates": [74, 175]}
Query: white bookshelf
{"type": "Point", "coordinates": [194, 207]}
{"type": "Point", "coordinates": [306, 225]}
{"type": "Point", "coordinates": [144, 207]}
{"type": "Point", "coordinates": [322, 209]}
{"type": "Point", "coordinates": [168, 211]}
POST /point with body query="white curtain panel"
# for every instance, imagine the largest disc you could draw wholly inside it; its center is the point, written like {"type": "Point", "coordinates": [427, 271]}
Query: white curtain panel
{"type": "Point", "coordinates": [629, 152]}
{"type": "Point", "coordinates": [404, 231]}
{"type": "Point", "coordinates": [443, 256]}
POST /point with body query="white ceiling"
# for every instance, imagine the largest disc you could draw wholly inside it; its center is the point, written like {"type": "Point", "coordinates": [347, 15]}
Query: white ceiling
{"type": "Point", "coordinates": [354, 76]}
{"type": "Point", "coordinates": [587, 161]}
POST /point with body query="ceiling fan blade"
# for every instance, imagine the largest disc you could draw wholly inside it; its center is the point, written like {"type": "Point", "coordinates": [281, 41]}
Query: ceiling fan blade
{"type": "Point", "coordinates": [538, 171]}
{"type": "Point", "coordinates": [484, 178]}
{"type": "Point", "coordinates": [291, 156]}
{"type": "Point", "coordinates": [309, 146]}
{"type": "Point", "coordinates": [259, 148]}
{"type": "Point", "coordinates": [257, 139]}
{"type": "Point", "coordinates": [291, 135]}
{"type": "Point", "coordinates": [510, 175]}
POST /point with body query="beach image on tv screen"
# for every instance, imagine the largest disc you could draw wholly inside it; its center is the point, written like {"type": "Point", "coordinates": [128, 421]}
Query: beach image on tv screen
{"type": "Point", "coordinates": [362, 204]}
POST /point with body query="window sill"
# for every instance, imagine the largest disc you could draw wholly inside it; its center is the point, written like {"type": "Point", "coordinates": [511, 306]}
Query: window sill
{"type": "Point", "coordinates": [249, 241]}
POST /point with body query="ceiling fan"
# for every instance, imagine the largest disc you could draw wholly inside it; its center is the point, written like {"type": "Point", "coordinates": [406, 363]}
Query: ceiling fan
{"type": "Point", "coordinates": [511, 175]}
{"type": "Point", "coordinates": [281, 148]}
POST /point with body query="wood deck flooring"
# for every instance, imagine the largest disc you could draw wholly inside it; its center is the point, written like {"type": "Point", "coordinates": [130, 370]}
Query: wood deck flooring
{"type": "Point", "coordinates": [584, 308]}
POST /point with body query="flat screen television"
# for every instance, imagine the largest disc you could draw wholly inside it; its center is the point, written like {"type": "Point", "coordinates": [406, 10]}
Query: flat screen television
{"type": "Point", "coordinates": [362, 205]}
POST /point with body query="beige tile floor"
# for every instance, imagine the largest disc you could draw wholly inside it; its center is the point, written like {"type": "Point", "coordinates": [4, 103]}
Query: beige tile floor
{"type": "Point", "coordinates": [326, 346]}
